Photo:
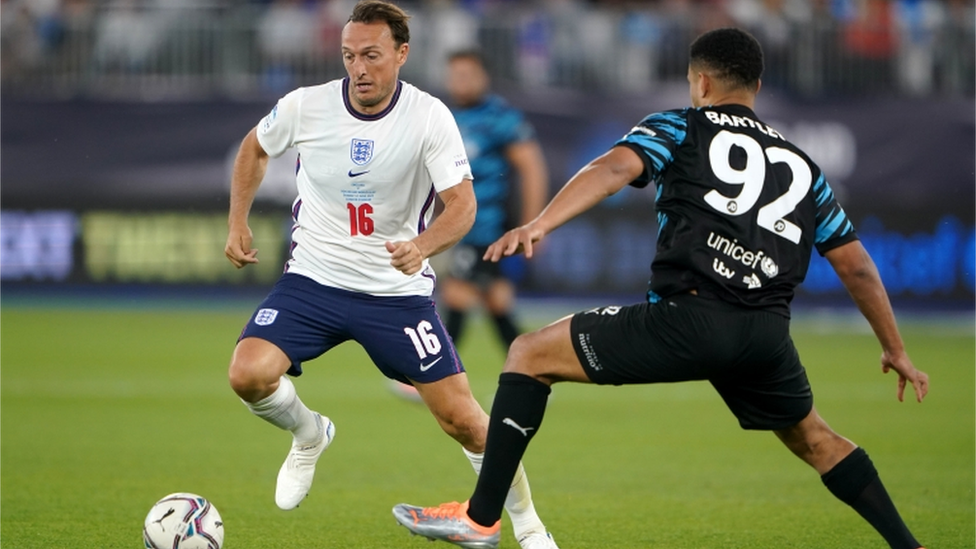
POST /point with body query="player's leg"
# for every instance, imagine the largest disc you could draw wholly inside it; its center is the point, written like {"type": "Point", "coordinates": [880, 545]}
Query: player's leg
{"type": "Point", "coordinates": [257, 375]}
{"type": "Point", "coordinates": [406, 340]}
{"type": "Point", "coordinates": [849, 474]}
{"type": "Point", "coordinates": [280, 329]}
{"type": "Point", "coordinates": [459, 414]}
{"type": "Point", "coordinates": [458, 291]}
{"type": "Point", "coordinates": [534, 362]}
{"type": "Point", "coordinates": [458, 297]}
{"type": "Point", "coordinates": [767, 389]}
{"type": "Point", "coordinates": [499, 300]}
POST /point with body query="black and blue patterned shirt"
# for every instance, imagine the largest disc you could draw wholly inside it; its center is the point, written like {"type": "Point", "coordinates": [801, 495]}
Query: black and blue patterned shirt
{"type": "Point", "coordinates": [488, 129]}
{"type": "Point", "coordinates": [739, 208]}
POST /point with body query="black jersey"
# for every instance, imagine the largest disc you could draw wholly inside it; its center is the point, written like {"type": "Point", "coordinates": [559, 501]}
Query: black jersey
{"type": "Point", "coordinates": [739, 208]}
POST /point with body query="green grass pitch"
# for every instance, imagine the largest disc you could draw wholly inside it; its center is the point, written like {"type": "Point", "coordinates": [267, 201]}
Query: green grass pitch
{"type": "Point", "coordinates": [105, 410]}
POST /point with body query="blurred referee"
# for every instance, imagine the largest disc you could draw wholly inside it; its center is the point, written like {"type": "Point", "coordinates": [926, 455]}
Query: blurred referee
{"type": "Point", "coordinates": [739, 211]}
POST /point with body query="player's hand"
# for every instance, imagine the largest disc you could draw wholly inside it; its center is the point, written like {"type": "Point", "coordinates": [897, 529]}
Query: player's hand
{"type": "Point", "coordinates": [405, 256]}
{"type": "Point", "coordinates": [900, 363]}
{"type": "Point", "coordinates": [238, 249]}
{"type": "Point", "coordinates": [520, 239]}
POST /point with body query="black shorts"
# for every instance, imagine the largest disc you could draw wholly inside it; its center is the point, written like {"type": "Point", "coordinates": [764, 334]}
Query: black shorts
{"type": "Point", "coordinates": [747, 355]}
{"type": "Point", "coordinates": [467, 265]}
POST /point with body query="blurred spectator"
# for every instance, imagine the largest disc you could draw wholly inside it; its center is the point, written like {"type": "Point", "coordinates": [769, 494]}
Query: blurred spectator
{"type": "Point", "coordinates": [126, 36]}
{"type": "Point", "coordinates": [813, 47]}
{"type": "Point", "coordinates": [918, 21]}
{"type": "Point", "coordinates": [444, 28]}
{"type": "Point", "coordinates": [640, 32]}
{"type": "Point", "coordinates": [870, 41]}
{"type": "Point", "coordinates": [48, 22]}
{"type": "Point", "coordinates": [682, 22]}
{"type": "Point", "coordinates": [533, 54]}
{"type": "Point", "coordinates": [957, 62]}
{"type": "Point", "coordinates": [286, 39]}
{"type": "Point", "coordinates": [20, 44]}
{"type": "Point", "coordinates": [332, 16]}
{"type": "Point", "coordinates": [773, 23]}
{"type": "Point", "coordinates": [565, 43]}
{"type": "Point", "coordinates": [77, 11]}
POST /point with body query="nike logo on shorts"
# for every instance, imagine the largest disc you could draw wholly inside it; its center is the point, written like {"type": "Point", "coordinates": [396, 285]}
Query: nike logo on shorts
{"type": "Point", "coordinates": [425, 367]}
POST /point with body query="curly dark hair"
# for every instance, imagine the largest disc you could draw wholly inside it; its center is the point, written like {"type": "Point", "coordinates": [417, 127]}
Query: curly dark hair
{"type": "Point", "coordinates": [733, 54]}
{"type": "Point", "coordinates": [370, 11]}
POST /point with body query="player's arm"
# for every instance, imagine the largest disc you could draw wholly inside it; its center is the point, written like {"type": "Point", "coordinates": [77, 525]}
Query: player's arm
{"type": "Point", "coordinates": [250, 166]}
{"type": "Point", "coordinates": [530, 166]}
{"type": "Point", "coordinates": [454, 221]}
{"type": "Point", "coordinates": [599, 179]}
{"type": "Point", "coordinates": [860, 276]}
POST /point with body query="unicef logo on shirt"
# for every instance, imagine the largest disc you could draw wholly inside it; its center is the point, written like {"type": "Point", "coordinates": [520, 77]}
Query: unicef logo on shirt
{"type": "Point", "coordinates": [361, 151]}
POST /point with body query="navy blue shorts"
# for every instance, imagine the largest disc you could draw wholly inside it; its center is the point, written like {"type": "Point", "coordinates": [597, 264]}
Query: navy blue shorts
{"type": "Point", "coordinates": [403, 335]}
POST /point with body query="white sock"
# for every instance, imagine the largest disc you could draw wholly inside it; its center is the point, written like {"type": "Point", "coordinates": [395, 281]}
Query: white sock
{"type": "Point", "coordinates": [518, 503]}
{"type": "Point", "coordinates": [285, 410]}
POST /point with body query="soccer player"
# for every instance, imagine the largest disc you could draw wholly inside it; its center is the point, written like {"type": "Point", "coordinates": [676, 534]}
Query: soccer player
{"type": "Point", "coordinates": [739, 211]}
{"type": "Point", "coordinates": [502, 148]}
{"type": "Point", "coordinates": [373, 152]}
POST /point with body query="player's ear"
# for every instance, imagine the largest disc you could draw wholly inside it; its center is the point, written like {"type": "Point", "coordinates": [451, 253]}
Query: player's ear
{"type": "Point", "coordinates": [700, 86]}
{"type": "Point", "coordinates": [705, 85]}
{"type": "Point", "coordinates": [402, 52]}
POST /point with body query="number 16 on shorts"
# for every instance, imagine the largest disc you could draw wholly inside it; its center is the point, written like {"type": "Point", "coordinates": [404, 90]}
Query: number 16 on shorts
{"type": "Point", "coordinates": [424, 341]}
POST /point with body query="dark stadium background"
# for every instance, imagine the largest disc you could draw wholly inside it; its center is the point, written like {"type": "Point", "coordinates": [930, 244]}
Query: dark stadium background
{"type": "Point", "coordinates": [120, 119]}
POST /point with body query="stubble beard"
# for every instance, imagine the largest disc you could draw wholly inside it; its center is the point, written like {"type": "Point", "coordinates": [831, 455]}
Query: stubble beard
{"type": "Point", "coordinates": [367, 101]}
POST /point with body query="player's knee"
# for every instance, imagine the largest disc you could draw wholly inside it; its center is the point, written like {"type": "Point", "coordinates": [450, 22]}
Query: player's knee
{"type": "Point", "coordinates": [522, 354]}
{"type": "Point", "coordinates": [240, 378]}
{"type": "Point", "coordinates": [499, 302]}
{"type": "Point", "coordinates": [245, 380]}
{"type": "Point", "coordinates": [256, 368]}
{"type": "Point", "coordinates": [815, 442]}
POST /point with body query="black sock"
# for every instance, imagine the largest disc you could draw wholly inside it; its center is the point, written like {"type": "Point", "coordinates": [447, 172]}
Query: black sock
{"type": "Point", "coordinates": [455, 322]}
{"type": "Point", "coordinates": [506, 328]}
{"type": "Point", "coordinates": [855, 481]}
{"type": "Point", "coordinates": [516, 415]}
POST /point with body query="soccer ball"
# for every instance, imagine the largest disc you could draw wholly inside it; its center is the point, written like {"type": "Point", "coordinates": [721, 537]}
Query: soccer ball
{"type": "Point", "coordinates": [183, 521]}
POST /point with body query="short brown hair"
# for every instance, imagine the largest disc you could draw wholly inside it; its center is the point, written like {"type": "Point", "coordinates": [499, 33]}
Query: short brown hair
{"type": "Point", "coordinates": [370, 11]}
{"type": "Point", "coordinates": [472, 54]}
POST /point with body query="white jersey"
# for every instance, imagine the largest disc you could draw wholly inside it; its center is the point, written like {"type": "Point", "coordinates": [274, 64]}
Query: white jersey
{"type": "Point", "coordinates": [363, 180]}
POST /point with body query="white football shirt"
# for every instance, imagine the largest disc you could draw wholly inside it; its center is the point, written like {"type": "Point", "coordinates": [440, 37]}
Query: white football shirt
{"type": "Point", "coordinates": [363, 180]}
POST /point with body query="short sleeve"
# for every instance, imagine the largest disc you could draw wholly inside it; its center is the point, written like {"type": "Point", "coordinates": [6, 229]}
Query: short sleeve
{"type": "Point", "coordinates": [276, 132]}
{"type": "Point", "coordinates": [833, 227]}
{"type": "Point", "coordinates": [444, 156]}
{"type": "Point", "coordinates": [655, 140]}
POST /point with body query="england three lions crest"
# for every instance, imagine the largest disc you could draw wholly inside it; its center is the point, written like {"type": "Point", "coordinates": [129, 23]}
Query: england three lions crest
{"type": "Point", "coordinates": [361, 151]}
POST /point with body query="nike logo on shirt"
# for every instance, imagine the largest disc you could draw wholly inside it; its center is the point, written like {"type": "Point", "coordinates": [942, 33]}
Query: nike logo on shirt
{"type": "Point", "coordinates": [357, 174]}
